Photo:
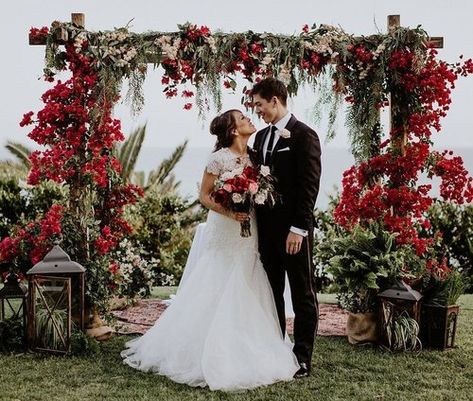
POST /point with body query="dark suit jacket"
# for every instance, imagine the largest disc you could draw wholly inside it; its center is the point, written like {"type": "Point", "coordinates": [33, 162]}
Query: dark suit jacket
{"type": "Point", "coordinates": [297, 171]}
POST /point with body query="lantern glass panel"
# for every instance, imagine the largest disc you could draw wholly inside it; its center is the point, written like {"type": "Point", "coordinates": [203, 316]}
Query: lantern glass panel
{"type": "Point", "coordinates": [11, 308]}
{"type": "Point", "coordinates": [52, 313]}
{"type": "Point", "coordinates": [12, 314]}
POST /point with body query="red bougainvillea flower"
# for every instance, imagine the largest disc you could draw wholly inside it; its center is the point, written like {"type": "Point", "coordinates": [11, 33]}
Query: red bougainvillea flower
{"type": "Point", "coordinates": [385, 187]}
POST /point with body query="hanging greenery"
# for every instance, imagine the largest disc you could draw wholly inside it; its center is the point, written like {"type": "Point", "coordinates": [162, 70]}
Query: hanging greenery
{"type": "Point", "coordinates": [194, 59]}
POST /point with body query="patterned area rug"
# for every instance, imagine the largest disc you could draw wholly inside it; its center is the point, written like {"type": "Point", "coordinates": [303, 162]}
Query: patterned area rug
{"type": "Point", "coordinates": [137, 319]}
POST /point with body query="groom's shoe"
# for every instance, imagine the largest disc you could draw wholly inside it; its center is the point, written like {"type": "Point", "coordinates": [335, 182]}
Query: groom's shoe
{"type": "Point", "coordinates": [304, 371]}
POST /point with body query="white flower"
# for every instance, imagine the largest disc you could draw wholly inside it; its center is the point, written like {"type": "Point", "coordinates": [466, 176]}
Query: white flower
{"type": "Point", "coordinates": [285, 75]}
{"type": "Point", "coordinates": [267, 60]}
{"type": "Point", "coordinates": [226, 176]}
{"type": "Point", "coordinates": [163, 40]}
{"type": "Point", "coordinates": [265, 171]}
{"type": "Point", "coordinates": [237, 171]}
{"type": "Point", "coordinates": [211, 41]}
{"type": "Point", "coordinates": [171, 51]}
{"type": "Point", "coordinates": [260, 198]}
{"type": "Point", "coordinates": [122, 35]}
{"type": "Point", "coordinates": [79, 40]}
{"type": "Point", "coordinates": [121, 63]}
{"type": "Point", "coordinates": [237, 198]}
{"type": "Point", "coordinates": [285, 133]}
{"type": "Point", "coordinates": [130, 54]}
{"type": "Point", "coordinates": [24, 185]}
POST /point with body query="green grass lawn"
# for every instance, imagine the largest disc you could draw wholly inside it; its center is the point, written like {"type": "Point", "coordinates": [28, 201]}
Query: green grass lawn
{"type": "Point", "coordinates": [341, 372]}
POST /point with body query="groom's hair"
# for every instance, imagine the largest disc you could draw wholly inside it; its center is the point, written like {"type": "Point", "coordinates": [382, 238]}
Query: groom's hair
{"type": "Point", "coordinates": [269, 87]}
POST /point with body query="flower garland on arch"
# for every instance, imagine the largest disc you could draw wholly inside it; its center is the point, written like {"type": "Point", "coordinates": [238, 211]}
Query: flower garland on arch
{"type": "Point", "coordinates": [199, 64]}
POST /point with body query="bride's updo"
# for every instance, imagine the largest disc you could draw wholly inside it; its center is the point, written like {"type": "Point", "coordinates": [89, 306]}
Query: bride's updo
{"type": "Point", "coordinates": [222, 127]}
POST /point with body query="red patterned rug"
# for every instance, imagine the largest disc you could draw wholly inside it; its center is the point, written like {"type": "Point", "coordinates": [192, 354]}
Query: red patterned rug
{"type": "Point", "coordinates": [138, 318]}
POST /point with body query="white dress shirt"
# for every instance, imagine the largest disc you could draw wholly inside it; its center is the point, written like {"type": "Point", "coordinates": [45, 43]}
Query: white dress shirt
{"type": "Point", "coordinates": [280, 125]}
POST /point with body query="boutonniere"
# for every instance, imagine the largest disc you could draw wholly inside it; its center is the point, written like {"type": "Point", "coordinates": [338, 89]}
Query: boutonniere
{"type": "Point", "coordinates": [285, 133]}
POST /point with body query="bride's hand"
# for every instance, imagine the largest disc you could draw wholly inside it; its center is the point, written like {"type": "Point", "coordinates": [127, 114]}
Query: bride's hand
{"type": "Point", "coordinates": [239, 216]}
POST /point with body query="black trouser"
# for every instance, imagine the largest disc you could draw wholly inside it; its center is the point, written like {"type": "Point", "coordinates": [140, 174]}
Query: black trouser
{"type": "Point", "coordinates": [300, 272]}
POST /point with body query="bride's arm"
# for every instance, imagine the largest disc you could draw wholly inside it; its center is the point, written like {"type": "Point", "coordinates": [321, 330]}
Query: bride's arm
{"type": "Point", "coordinates": [206, 188]}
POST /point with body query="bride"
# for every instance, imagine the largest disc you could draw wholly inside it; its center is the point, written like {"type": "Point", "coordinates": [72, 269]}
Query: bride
{"type": "Point", "coordinates": [221, 330]}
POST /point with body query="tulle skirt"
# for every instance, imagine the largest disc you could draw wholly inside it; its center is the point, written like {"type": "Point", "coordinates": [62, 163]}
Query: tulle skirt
{"type": "Point", "coordinates": [221, 329]}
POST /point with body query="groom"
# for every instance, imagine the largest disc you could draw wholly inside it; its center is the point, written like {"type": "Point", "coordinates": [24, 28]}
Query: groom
{"type": "Point", "coordinates": [292, 150]}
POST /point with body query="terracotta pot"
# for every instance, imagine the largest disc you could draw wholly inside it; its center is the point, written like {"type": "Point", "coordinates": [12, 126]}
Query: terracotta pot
{"type": "Point", "coordinates": [361, 328]}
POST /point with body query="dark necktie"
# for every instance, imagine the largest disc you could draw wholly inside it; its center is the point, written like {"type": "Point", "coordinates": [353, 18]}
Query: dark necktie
{"type": "Point", "coordinates": [269, 149]}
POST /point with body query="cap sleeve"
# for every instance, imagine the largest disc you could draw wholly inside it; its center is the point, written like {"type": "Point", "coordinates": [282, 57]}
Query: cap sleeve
{"type": "Point", "coordinates": [214, 164]}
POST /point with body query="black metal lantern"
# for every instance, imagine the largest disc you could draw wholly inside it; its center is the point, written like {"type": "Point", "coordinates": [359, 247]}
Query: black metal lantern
{"type": "Point", "coordinates": [55, 301]}
{"type": "Point", "coordinates": [397, 303]}
{"type": "Point", "coordinates": [439, 326]}
{"type": "Point", "coordinates": [13, 303]}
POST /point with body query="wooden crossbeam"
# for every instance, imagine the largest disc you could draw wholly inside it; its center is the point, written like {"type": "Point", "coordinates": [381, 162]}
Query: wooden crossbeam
{"type": "Point", "coordinates": [394, 21]}
{"type": "Point", "coordinates": [436, 42]}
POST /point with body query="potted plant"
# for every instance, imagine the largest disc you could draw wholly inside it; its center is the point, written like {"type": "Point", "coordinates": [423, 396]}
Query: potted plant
{"type": "Point", "coordinates": [366, 260]}
{"type": "Point", "coordinates": [442, 288]}
{"type": "Point", "coordinates": [404, 332]}
{"type": "Point", "coordinates": [399, 316]}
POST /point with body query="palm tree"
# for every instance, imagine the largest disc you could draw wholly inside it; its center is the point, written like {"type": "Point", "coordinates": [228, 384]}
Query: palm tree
{"type": "Point", "coordinates": [16, 169]}
{"type": "Point", "coordinates": [162, 179]}
{"type": "Point", "coordinates": [21, 152]}
{"type": "Point", "coordinates": [128, 152]}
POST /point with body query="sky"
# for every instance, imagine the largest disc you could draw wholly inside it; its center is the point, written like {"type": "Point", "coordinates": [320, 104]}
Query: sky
{"type": "Point", "coordinates": [168, 124]}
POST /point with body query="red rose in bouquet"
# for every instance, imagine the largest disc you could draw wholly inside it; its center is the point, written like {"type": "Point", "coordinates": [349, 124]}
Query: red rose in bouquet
{"type": "Point", "coordinates": [241, 189]}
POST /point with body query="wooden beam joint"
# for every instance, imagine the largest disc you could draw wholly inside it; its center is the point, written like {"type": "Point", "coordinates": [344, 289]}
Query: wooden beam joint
{"type": "Point", "coordinates": [78, 19]}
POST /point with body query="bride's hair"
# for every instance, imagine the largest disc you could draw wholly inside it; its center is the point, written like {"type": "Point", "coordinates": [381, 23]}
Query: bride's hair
{"type": "Point", "coordinates": [222, 127]}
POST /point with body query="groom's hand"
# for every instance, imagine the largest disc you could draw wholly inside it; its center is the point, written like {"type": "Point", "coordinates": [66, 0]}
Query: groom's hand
{"type": "Point", "coordinates": [293, 243]}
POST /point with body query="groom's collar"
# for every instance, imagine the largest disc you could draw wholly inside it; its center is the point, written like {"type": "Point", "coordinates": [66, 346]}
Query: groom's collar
{"type": "Point", "coordinates": [281, 124]}
{"type": "Point", "coordinates": [290, 124]}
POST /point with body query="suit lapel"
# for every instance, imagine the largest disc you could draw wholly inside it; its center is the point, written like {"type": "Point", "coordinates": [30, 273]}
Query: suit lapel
{"type": "Point", "coordinates": [284, 142]}
{"type": "Point", "coordinates": [264, 134]}
{"type": "Point", "coordinates": [290, 124]}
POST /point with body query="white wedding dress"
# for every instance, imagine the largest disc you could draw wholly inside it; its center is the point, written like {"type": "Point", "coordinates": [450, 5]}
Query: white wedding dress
{"type": "Point", "coordinates": [221, 329]}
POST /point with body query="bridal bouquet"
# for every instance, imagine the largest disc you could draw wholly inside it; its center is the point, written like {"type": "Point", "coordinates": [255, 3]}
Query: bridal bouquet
{"type": "Point", "coordinates": [240, 189]}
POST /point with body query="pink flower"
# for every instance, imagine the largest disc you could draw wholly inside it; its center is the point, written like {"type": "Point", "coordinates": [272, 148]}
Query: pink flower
{"type": "Point", "coordinates": [253, 188]}
{"type": "Point", "coordinates": [227, 187]}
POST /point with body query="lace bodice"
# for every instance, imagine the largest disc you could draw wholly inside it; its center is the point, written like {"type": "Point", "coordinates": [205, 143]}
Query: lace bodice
{"type": "Point", "coordinates": [224, 160]}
